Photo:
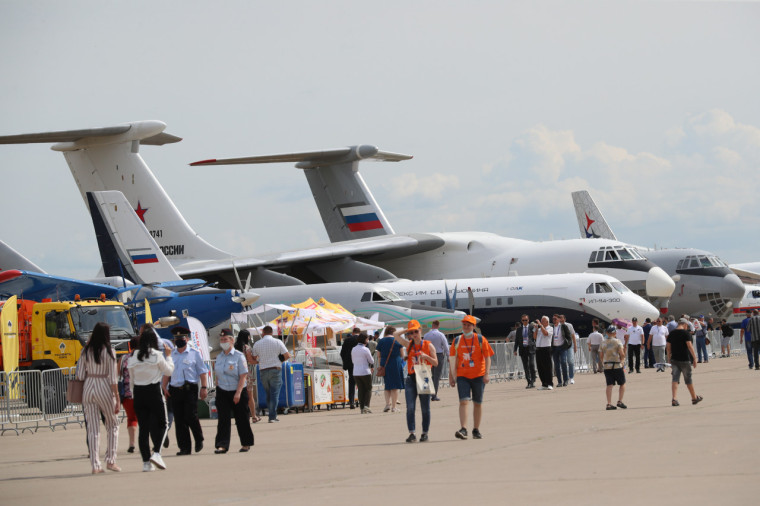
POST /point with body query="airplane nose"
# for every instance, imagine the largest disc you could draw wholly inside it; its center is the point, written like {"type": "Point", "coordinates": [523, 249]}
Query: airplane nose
{"type": "Point", "coordinates": [732, 287]}
{"type": "Point", "coordinates": [644, 310]}
{"type": "Point", "coordinates": [659, 284]}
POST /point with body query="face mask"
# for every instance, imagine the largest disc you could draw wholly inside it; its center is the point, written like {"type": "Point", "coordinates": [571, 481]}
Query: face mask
{"type": "Point", "coordinates": [180, 342]}
{"type": "Point", "coordinates": [225, 346]}
{"type": "Point", "coordinates": [467, 334]}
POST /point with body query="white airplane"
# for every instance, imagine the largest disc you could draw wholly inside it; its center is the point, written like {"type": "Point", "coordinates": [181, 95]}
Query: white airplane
{"type": "Point", "coordinates": [499, 301]}
{"type": "Point", "coordinates": [125, 244]}
{"type": "Point", "coordinates": [704, 283]}
{"type": "Point", "coordinates": [108, 159]}
{"type": "Point", "coordinates": [750, 302]}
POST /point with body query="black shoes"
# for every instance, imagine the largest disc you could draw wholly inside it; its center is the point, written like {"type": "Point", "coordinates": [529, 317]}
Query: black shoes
{"type": "Point", "coordinates": [610, 406]}
{"type": "Point", "coordinates": [220, 450]}
{"type": "Point", "coordinates": [461, 433]}
{"type": "Point", "coordinates": [166, 442]}
{"type": "Point", "coordinates": [131, 449]}
{"type": "Point", "coordinates": [476, 434]}
{"type": "Point", "coordinates": [198, 446]}
{"type": "Point", "coordinates": [423, 437]}
{"type": "Point", "coordinates": [180, 453]}
{"type": "Point", "coordinates": [412, 438]}
{"type": "Point", "coordinates": [621, 405]}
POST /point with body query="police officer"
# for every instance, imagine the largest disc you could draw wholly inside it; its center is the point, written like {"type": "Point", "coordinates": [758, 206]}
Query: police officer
{"type": "Point", "coordinates": [189, 371]}
{"type": "Point", "coordinates": [231, 372]}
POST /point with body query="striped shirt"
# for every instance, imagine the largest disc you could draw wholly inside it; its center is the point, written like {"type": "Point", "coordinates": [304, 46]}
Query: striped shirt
{"type": "Point", "coordinates": [106, 369]}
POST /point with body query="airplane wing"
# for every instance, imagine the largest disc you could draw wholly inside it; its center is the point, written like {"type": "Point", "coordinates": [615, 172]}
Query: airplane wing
{"type": "Point", "coordinates": [38, 286]}
{"type": "Point", "coordinates": [339, 261]}
{"type": "Point", "coordinates": [748, 273]}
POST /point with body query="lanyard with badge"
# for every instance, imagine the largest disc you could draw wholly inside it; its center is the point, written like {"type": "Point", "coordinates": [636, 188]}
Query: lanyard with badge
{"type": "Point", "coordinates": [470, 348]}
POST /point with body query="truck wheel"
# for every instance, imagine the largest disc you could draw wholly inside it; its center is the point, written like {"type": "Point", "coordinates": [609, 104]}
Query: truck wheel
{"type": "Point", "coordinates": [54, 392]}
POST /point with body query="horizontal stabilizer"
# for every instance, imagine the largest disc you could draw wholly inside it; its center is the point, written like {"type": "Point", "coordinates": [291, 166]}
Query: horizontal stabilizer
{"type": "Point", "coordinates": [37, 286]}
{"type": "Point", "coordinates": [312, 159]}
{"type": "Point", "coordinates": [152, 135]}
{"type": "Point", "coordinates": [12, 259]}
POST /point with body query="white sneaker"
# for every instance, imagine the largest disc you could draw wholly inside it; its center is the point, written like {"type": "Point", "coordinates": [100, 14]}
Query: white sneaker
{"type": "Point", "coordinates": [550, 387]}
{"type": "Point", "coordinates": [542, 388]}
{"type": "Point", "coordinates": [158, 461]}
{"type": "Point", "coordinates": [148, 467]}
{"type": "Point", "coordinates": [572, 381]}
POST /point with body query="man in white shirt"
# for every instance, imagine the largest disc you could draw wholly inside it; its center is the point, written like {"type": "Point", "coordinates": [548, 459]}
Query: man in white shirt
{"type": "Point", "coordinates": [594, 340]}
{"type": "Point", "coordinates": [441, 345]}
{"type": "Point", "coordinates": [658, 336]}
{"type": "Point", "coordinates": [635, 340]}
{"type": "Point", "coordinates": [269, 353]}
{"type": "Point", "coordinates": [543, 337]}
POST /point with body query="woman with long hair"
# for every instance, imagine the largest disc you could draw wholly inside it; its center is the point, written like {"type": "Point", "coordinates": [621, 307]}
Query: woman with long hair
{"type": "Point", "coordinates": [147, 366]}
{"type": "Point", "coordinates": [100, 396]}
{"type": "Point", "coordinates": [243, 345]}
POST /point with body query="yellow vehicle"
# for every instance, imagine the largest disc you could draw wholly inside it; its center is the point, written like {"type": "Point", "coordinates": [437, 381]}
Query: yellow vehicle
{"type": "Point", "coordinates": [51, 336]}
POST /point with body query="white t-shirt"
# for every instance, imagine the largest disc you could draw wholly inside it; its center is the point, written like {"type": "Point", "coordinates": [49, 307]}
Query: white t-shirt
{"type": "Point", "coordinates": [558, 338]}
{"type": "Point", "coordinates": [659, 335]}
{"type": "Point", "coordinates": [635, 335]}
{"type": "Point", "coordinates": [595, 339]}
{"type": "Point", "coordinates": [620, 335]}
{"type": "Point", "coordinates": [544, 341]}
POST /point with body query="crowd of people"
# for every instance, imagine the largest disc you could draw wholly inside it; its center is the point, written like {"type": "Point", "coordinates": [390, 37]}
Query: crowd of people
{"type": "Point", "coordinates": [160, 373]}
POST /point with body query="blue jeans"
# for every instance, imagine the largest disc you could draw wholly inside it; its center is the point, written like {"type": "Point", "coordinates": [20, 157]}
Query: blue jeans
{"type": "Point", "coordinates": [748, 347]}
{"type": "Point", "coordinates": [701, 349]}
{"type": "Point", "coordinates": [271, 381]}
{"type": "Point", "coordinates": [411, 401]}
{"type": "Point", "coordinates": [570, 357]}
{"type": "Point", "coordinates": [560, 365]}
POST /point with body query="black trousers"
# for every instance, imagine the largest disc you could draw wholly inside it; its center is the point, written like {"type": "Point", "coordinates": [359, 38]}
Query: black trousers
{"type": "Point", "coordinates": [185, 406]}
{"type": "Point", "coordinates": [529, 365]}
{"type": "Point", "coordinates": [544, 366]}
{"type": "Point", "coordinates": [150, 409]}
{"type": "Point", "coordinates": [364, 384]}
{"type": "Point", "coordinates": [351, 385]}
{"type": "Point", "coordinates": [225, 407]}
{"type": "Point", "coordinates": [634, 350]}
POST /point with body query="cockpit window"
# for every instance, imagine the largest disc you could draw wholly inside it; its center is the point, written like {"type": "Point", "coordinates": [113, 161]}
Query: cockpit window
{"type": "Point", "coordinates": [611, 256]}
{"type": "Point", "coordinates": [603, 288]}
{"type": "Point", "coordinates": [615, 254]}
{"type": "Point", "coordinates": [705, 261]}
{"type": "Point", "coordinates": [590, 288]}
{"type": "Point", "coordinates": [620, 287]}
{"type": "Point", "coordinates": [387, 295]}
{"type": "Point", "coordinates": [625, 254]}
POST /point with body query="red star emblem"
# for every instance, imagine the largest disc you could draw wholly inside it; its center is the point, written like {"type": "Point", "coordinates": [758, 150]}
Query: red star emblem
{"type": "Point", "coordinates": [141, 211]}
{"type": "Point", "coordinates": [589, 221]}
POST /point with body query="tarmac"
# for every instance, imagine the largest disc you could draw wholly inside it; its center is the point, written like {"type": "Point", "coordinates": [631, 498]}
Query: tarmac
{"type": "Point", "coordinates": [539, 447]}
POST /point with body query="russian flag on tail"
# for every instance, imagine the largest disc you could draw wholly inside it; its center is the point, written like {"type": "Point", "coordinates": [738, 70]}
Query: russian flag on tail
{"type": "Point", "coordinates": [142, 256]}
{"type": "Point", "coordinates": [362, 217]}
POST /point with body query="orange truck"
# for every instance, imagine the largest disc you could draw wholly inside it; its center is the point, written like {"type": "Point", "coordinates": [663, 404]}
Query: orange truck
{"type": "Point", "coordinates": [50, 335]}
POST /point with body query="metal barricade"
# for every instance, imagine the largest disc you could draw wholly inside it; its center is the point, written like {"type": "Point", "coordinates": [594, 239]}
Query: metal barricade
{"type": "Point", "coordinates": [21, 401]}
{"type": "Point", "coordinates": [55, 407]}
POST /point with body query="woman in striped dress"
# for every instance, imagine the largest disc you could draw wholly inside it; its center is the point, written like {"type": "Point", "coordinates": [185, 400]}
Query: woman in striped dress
{"type": "Point", "coordinates": [97, 367]}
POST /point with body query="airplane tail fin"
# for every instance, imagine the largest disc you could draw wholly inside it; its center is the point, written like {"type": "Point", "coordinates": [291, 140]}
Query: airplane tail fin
{"type": "Point", "coordinates": [12, 259]}
{"type": "Point", "coordinates": [346, 205]}
{"type": "Point", "coordinates": [126, 247]}
{"type": "Point", "coordinates": [109, 158]}
{"type": "Point", "coordinates": [590, 219]}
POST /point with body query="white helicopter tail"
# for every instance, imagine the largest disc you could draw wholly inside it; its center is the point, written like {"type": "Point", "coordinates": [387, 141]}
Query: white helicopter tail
{"type": "Point", "coordinates": [109, 158]}
{"type": "Point", "coordinates": [591, 222]}
{"type": "Point", "coordinates": [346, 205]}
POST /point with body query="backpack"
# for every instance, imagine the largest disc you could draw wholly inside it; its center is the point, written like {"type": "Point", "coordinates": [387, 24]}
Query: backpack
{"type": "Point", "coordinates": [727, 331]}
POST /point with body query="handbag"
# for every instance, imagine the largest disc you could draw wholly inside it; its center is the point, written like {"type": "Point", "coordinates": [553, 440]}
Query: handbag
{"type": "Point", "coordinates": [424, 375]}
{"type": "Point", "coordinates": [381, 368]}
{"type": "Point", "coordinates": [74, 390]}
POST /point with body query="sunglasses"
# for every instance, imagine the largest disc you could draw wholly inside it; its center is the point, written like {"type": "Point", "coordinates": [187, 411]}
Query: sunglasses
{"type": "Point", "coordinates": [412, 331]}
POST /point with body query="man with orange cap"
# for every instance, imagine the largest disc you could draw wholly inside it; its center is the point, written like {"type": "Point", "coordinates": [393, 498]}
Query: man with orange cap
{"type": "Point", "coordinates": [469, 366]}
{"type": "Point", "coordinates": [418, 352]}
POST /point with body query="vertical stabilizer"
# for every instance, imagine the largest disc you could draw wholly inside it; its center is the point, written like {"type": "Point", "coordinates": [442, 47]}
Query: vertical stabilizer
{"type": "Point", "coordinates": [126, 247]}
{"type": "Point", "coordinates": [591, 222]}
{"type": "Point", "coordinates": [109, 159]}
{"type": "Point", "coordinates": [346, 205]}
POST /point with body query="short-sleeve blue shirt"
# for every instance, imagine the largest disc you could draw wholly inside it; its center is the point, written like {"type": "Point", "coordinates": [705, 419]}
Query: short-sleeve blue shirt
{"type": "Point", "coordinates": [188, 366]}
{"type": "Point", "coordinates": [228, 368]}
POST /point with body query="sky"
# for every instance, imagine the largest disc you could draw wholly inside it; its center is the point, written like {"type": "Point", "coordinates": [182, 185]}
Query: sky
{"type": "Point", "coordinates": [507, 107]}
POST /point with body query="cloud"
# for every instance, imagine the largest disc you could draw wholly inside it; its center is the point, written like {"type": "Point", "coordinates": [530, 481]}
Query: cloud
{"type": "Point", "coordinates": [431, 187]}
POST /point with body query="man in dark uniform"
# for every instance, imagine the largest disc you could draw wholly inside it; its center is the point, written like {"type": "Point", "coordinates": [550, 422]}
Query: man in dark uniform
{"type": "Point", "coordinates": [190, 371]}
{"type": "Point", "coordinates": [348, 365]}
{"type": "Point", "coordinates": [525, 346]}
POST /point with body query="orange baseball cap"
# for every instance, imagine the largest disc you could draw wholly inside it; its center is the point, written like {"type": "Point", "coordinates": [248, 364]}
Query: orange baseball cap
{"type": "Point", "coordinates": [413, 325]}
{"type": "Point", "coordinates": [470, 319]}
